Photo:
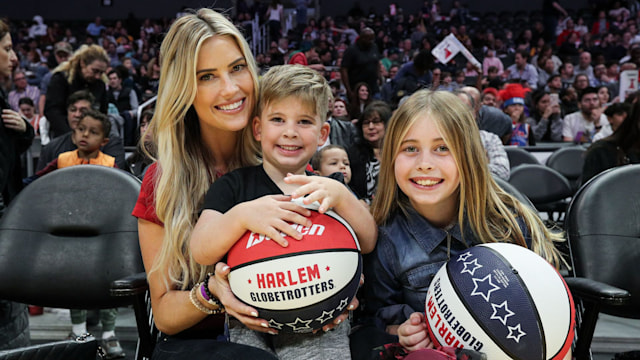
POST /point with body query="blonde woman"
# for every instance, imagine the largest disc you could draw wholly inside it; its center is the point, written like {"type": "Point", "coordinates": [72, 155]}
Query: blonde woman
{"type": "Point", "coordinates": [436, 198]}
{"type": "Point", "coordinates": [206, 97]}
{"type": "Point", "coordinates": [83, 71]}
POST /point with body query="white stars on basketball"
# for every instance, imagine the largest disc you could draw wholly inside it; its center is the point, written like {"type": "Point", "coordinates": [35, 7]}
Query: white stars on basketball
{"type": "Point", "coordinates": [471, 267]}
{"type": "Point", "coordinates": [326, 316]}
{"type": "Point", "coordinates": [301, 325]}
{"type": "Point", "coordinates": [501, 312]}
{"type": "Point", "coordinates": [275, 325]}
{"type": "Point", "coordinates": [515, 333]}
{"type": "Point", "coordinates": [343, 304]}
{"type": "Point", "coordinates": [484, 287]}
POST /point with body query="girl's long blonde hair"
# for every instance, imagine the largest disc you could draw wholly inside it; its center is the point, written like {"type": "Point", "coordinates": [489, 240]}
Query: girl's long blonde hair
{"type": "Point", "coordinates": [491, 212]}
{"type": "Point", "coordinates": [185, 165]}
{"type": "Point", "coordinates": [86, 54]}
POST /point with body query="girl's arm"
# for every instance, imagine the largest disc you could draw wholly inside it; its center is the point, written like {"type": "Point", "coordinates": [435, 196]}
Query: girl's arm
{"type": "Point", "coordinates": [173, 312]}
{"type": "Point", "coordinates": [215, 233]}
{"type": "Point", "coordinates": [333, 194]}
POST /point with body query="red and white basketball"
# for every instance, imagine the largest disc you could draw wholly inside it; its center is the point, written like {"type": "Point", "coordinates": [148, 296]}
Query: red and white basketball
{"type": "Point", "coordinates": [503, 300]}
{"type": "Point", "coordinates": [301, 287]}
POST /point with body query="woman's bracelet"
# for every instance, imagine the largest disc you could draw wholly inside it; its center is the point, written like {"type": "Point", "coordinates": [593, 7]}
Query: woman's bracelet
{"type": "Point", "coordinates": [193, 296]}
{"type": "Point", "coordinates": [206, 294]}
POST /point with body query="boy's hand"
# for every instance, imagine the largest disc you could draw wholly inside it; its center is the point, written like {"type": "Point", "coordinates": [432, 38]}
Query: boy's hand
{"type": "Point", "coordinates": [328, 192]}
{"type": "Point", "coordinates": [272, 216]}
{"type": "Point", "coordinates": [412, 334]}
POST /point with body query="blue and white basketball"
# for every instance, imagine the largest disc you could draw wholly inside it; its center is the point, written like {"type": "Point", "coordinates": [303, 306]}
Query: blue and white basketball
{"type": "Point", "coordinates": [502, 300]}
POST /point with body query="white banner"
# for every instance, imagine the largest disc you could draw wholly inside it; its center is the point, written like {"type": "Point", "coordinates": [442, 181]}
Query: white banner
{"type": "Point", "coordinates": [628, 83]}
{"type": "Point", "coordinates": [449, 48]}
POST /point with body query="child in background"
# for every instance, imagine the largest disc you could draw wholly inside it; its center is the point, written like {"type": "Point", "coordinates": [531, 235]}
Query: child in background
{"type": "Point", "coordinates": [91, 133]}
{"type": "Point", "coordinates": [513, 97]}
{"type": "Point", "coordinates": [435, 199]}
{"type": "Point", "coordinates": [332, 159]}
{"type": "Point", "coordinates": [290, 126]}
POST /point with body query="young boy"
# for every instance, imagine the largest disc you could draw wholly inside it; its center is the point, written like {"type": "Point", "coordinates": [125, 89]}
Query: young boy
{"type": "Point", "coordinates": [290, 125]}
{"type": "Point", "coordinates": [332, 159]}
{"type": "Point", "coordinates": [89, 136]}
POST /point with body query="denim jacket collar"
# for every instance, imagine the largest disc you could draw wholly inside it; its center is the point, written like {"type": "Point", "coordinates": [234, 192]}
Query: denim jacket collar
{"type": "Point", "coordinates": [422, 231]}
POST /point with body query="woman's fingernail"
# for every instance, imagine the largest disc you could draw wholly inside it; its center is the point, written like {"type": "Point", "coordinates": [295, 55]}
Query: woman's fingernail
{"type": "Point", "coordinates": [254, 314]}
{"type": "Point", "coordinates": [338, 321]}
{"type": "Point", "coordinates": [351, 307]}
{"type": "Point", "coordinates": [264, 325]}
{"type": "Point", "coordinates": [273, 332]}
{"type": "Point", "coordinates": [225, 268]}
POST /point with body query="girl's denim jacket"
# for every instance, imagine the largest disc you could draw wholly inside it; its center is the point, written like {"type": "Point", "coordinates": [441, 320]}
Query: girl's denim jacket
{"type": "Point", "coordinates": [408, 254]}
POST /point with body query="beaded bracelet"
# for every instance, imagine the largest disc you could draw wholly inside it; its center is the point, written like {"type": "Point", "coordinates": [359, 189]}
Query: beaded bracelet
{"type": "Point", "coordinates": [193, 296]}
{"type": "Point", "coordinates": [206, 294]}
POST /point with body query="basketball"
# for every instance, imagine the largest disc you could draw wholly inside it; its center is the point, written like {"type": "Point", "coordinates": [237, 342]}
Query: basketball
{"type": "Point", "coordinates": [503, 300]}
{"type": "Point", "coordinates": [301, 287]}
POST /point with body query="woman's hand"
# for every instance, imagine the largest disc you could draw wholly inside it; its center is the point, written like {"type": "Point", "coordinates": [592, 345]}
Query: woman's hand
{"type": "Point", "coordinates": [412, 334]}
{"type": "Point", "coordinates": [13, 120]}
{"type": "Point", "coordinates": [219, 287]}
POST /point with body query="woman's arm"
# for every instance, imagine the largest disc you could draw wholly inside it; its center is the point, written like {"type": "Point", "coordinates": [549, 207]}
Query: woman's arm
{"type": "Point", "coordinates": [172, 309]}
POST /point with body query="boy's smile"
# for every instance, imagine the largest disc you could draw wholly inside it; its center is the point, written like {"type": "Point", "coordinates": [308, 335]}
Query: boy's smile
{"type": "Point", "coordinates": [289, 132]}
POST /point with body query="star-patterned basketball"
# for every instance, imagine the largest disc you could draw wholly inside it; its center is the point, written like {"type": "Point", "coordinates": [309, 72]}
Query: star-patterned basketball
{"type": "Point", "coordinates": [502, 300]}
{"type": "Point", "coordinates": [301, 287]}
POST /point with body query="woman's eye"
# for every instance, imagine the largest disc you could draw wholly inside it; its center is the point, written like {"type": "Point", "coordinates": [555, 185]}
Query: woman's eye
{"type": "Point", "coordinates": [206, 77]}
{"type": "Point", "coordinates": [239, 67]}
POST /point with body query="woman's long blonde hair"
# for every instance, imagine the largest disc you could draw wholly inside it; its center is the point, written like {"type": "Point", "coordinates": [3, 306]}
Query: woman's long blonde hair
{"type": "Point", "coordinates": [490, 211]}
{"type": "Point", "coordinates": [185, 165]}
{"type": "Point", "coordinates": [86, 54]}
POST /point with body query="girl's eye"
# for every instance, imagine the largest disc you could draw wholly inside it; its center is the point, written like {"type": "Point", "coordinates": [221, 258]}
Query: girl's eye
{"type": "Point", "coordinates": [410, 148]}
{"type": "Point", "coordinates": [239, 67]}
{"type": "Point", "coordinates": [277, 119]}
{"type": "Point", "coordinates": [442, 148]}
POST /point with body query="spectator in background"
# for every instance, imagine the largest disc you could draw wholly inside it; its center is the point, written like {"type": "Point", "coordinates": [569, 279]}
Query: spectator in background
{"type": "Point", "coordinates": [61, 51]}
{"type": "Point", "coordinates": [365, 152]}
{"type": "Point", "coordinates": [307, 53]}
{"type": "Point", "coordinates": [77, 104]}
{"type": "Point", "coordinates": [567, 74]}
{"type": "Point", "coordinates": [16, 136]}
{"type": "Point", "coordinates": [497, 158]}
{"type": "Point", "coordinates": [22, 89]}
{"type": "Point", "coordinates": [584, 66]}
{"type": "Point", "coordinates": [361, 98]}
{"type": "Point", "coordinates": [489, 60]}
{"type": "Point", "coordinates": [620, 148]}
{"type": "Point", "coordinates": [616, 114]}
{"type": "Point", "coordinates": [37, 121]}
{"type": "Point", "coordinates": [523, 70]}
{"type": "Point", "coordinates": [84, 70]}
{"type": "Point", "coordinates": [544, 120]}
{"type": "Point", "coordinates": [489, 97]}
{"type": "Point", "coordinates": [582, 125]}
{"type": "Point", "coordinates": [545, 72]}
{"type": "Point", "coordinates": [138, 162]}
{"type": "Point", "coordinates": [581, 82]}
{"type": "Point", "coordinates": [95, 28]}
{"type": "Point", "coordinates": [360, 63]}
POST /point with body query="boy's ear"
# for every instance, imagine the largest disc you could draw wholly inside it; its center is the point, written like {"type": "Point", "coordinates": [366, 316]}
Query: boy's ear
{"type": "Point", "coordinates": [256, 128]}
{"type": "Point", "coordinates": [104, 142]}
{"type": "Point", "coordinates": [324, 133]}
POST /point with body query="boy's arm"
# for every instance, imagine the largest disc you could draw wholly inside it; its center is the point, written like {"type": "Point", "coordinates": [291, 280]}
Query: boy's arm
{"type": "Point", "coordinates": [333, 194]}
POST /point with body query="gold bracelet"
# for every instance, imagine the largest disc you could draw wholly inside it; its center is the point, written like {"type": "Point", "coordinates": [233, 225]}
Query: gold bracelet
{"type": "Point", "coordinates": [193, 296]}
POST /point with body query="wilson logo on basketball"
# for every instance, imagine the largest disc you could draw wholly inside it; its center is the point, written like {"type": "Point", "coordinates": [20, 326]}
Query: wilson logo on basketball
{"type": "Point", "coordinates": [313, 230]}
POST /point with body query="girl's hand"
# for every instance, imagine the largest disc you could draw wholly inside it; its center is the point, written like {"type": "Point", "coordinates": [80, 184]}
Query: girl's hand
{"type": "Point", "coordinates": [272, 216]}
{"type": "Point", "coordinates": [219, 287]}
{"type": "Point", "coordinates": [13, 120]}
{"type": "Point", "coordinates": [412, 334]}
{"type": "Point", "coordinates": [328, 192]}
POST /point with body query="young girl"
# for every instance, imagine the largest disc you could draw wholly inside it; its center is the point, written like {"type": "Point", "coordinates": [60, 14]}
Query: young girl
{"type": "Point", "coordinates": [513, 96]}
{"type": "Point", "coordinates": [435, 199]}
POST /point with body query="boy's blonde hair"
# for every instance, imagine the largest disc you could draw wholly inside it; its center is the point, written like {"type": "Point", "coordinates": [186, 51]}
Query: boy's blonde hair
{"type": "Point", "coordinates": [490, 211]}
{"type": "Point", "coordinates": [299, 81]}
